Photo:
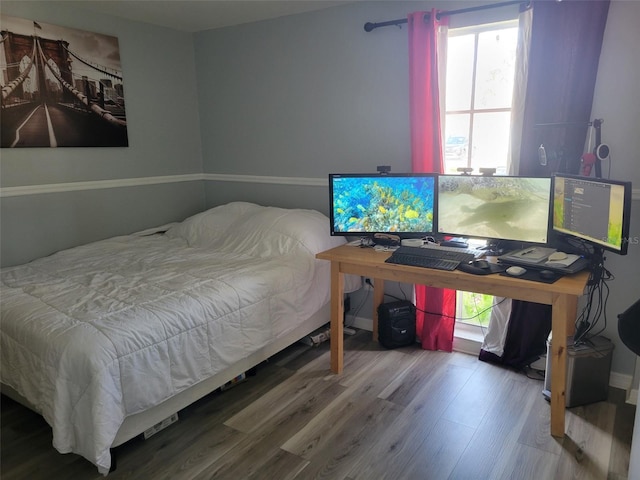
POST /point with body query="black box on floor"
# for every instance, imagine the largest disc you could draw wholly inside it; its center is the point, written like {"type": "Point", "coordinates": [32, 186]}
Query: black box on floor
{"type": "Point", "coordinates": [396, 324]}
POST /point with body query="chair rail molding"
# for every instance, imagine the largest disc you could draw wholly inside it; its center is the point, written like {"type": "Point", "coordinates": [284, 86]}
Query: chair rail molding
{"type": "Point", "coordinates": [191, 177]}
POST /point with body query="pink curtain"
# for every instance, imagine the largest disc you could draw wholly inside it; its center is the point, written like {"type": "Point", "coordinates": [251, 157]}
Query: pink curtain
{"type": "Point", "coordinates": [434, 329]}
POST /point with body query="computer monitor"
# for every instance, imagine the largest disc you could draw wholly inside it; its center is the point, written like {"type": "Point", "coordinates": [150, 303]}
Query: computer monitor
{"type": "Point", "coordinates": [497, 208]}
{"type": "Point", "coordinates": [592, 210]}
{"type": "Point", "coordinates": [366, 204]}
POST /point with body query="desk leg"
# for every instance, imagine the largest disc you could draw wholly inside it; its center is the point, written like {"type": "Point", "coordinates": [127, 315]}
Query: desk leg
{"type": "Point", "coordinates": [564, 309]}
{"type": "Point", "coordinates": [378, 298]}
{"type": "Point", "coordinates": [337, 316]}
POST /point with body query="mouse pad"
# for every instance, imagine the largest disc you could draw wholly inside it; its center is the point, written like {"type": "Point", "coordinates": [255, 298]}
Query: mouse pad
{"type": "Point", "coordinates": [493, 268]}
{"type": "Point", "coordinates": [534, 276]}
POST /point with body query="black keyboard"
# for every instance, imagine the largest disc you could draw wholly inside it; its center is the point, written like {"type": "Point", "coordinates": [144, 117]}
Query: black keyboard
{"type": "Point", "coordinates": [422, 261]}
{"type": "Point", "coordinates": [444, 254]}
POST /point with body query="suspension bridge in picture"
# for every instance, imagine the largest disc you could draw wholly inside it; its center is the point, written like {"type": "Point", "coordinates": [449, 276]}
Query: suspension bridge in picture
{"type": "Point", "coordinates": [44, 104]}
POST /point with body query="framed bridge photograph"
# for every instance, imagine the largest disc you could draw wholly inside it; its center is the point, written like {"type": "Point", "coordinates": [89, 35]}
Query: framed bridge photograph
{"type": "Point", "coordinates": [61, 87]}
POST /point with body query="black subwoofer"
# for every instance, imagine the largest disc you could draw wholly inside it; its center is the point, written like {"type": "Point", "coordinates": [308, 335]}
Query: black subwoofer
{"type": "Point", "coordinates": [396, 324]}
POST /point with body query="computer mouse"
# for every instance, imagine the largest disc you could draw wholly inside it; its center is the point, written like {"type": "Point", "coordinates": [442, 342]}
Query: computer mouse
{"type": "Point", "coordinates": [479, 263]}
{"type": "Point", "coordinates": [555, 256]}
{"type": "Point", "coordinates": [516, 271]}
{"type": "Point", "coordinates": [547, 274]}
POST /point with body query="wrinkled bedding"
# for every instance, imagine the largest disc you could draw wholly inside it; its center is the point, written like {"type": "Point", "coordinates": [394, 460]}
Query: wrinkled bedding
{"type": "Point", "coordinates": [93, 334]}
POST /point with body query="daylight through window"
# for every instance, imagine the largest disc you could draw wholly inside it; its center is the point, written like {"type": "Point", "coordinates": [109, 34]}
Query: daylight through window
{"type": "Point", "coordinates": [479, 88]}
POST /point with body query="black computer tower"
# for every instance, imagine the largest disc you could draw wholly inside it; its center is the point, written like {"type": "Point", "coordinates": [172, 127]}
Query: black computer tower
{"type": "Point", "coordinates": [396, 324]}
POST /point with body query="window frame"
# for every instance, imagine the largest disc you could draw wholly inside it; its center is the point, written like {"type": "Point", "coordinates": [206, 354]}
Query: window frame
{"type": "Point", "coordinates": [476, 30]}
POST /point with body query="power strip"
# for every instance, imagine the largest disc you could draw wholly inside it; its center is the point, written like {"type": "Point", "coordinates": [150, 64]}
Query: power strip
{"type": "Point", "coordinates": [318, 338]}
{"type": "Point", "coordinates": [161, 425]}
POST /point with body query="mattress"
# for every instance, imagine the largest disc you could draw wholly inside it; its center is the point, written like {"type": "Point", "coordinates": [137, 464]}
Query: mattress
{"type": "Point", "coordinates": [100, 332]}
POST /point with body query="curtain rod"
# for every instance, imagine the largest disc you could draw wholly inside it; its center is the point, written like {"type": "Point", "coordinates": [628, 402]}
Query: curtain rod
{"type": "Point", "coordinates": [369, 26]}
{"type": "Point", "coordinates": [595, 123]}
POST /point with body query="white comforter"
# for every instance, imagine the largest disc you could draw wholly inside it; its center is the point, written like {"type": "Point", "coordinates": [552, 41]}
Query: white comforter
{"type": "Point", "coordinates": [96, 333]}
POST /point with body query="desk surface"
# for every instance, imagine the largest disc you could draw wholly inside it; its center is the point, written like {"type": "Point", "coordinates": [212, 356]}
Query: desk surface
{"type": "Point", "coordinates": [371, 263]}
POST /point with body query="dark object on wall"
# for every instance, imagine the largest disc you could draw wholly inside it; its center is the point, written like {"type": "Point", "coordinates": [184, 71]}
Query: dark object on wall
{"type": "Point", "coordinates": [396, 324]}
{"type": "Point", "coordinates": [629, 327]}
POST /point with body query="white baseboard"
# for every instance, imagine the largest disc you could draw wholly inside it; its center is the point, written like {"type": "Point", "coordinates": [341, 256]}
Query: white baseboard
{"type": "Point", "coordinates": [360, 322]}
{"type": "Point", "coordinates": [622, 381]}
{"type": "Point", "coordinates": [462, 343]}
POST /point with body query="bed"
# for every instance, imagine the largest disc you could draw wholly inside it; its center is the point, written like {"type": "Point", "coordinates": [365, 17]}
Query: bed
{"type": "Point", "coordinates": [108, 339]}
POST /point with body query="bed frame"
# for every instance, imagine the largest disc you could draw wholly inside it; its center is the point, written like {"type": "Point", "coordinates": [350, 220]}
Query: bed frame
{"type": "Point", "coordinates": [135, 425]}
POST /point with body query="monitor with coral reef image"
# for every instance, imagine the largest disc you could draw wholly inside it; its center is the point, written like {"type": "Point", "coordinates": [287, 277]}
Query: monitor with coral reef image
{"type": "Point", "coordinates": [398, 204]}
{"type": "Point", "coordinates": [497, 208]}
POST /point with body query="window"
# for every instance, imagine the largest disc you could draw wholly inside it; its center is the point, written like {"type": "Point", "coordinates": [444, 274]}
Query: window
{"type": "Point", "coordinates": [480, 76]}
{"type": "Point", "coordinates": [479, 90]}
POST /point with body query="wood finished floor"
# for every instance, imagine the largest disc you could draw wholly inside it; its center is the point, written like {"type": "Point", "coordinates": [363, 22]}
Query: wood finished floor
{"type": "Point", "coordinates": [392, 414]}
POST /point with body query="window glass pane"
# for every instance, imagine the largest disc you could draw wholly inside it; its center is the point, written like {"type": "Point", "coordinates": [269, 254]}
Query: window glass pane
{"type": "Point", "coordinates": [456, 145]}
{"type": "Point", "coordinates": [459, 72]}
{"type": "Point", "coordinates": [490, 141]}
{"type": "Point", "coordinates": [495, 68]}
{"type": "Point", "coordinates": [474, 308]}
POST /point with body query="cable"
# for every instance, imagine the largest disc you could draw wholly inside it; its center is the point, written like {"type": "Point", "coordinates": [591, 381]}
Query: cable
{"type": "Point", "coordinates": [540, 374]}
{"type": "Point", "coordinates": [597, 295]}
{"type": "Point", "coordinates": [354, 315]}
{"type": "Point", "coordinates": [448, 316]}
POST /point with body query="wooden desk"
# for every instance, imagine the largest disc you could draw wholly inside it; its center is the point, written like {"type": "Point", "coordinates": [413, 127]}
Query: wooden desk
{"type": "Point", "coordinates": [562, 296]}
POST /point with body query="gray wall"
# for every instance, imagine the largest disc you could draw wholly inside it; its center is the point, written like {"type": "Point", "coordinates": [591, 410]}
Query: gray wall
{"type": "Point", "coordinates": [617, 101]}
{"type": "Point", "coordinates": [310, 94]}
{"type": "Point", "coordinates": [298, 96]}
{"type": "Point", "coordinates": [304, 96]}
{"type": "Point", "coordinates": [164, 139]}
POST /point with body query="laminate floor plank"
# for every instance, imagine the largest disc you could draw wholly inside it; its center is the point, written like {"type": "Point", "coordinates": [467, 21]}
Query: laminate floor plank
{"type": "Point", "coordinates": [622, 435]}
{"type": "Point", "coordinates": [408, 382]}
{"type": "Point", "coordinates": [587, 443]}
{"type": "Point", "coordinates": [333, 458]}
{"type": "Point", "coordinates": [353, 401]}
{"type": "Point", "coordinates": [473, 401]}
{"type": "Point", "coordinates": [535, 432]}
{"type": "Point", "coordinates": [394, 414]}
{"type": "Point", "coordinates": [277, 399]}
{"type": "Point", "coordinates": [497, 434]}
{"type": "Point", "coordinates": [277, 425]}
{"type": "Point", "coordinates": [281, 466]}
{"type": "Point", "coordinates": [440, 451]}
{"type": "Point", "coordinates": [526, 463]}
{"type": "Point", "coordinates": [252, 459]}
{"type": "Point", "coordinates": [408, 432]}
